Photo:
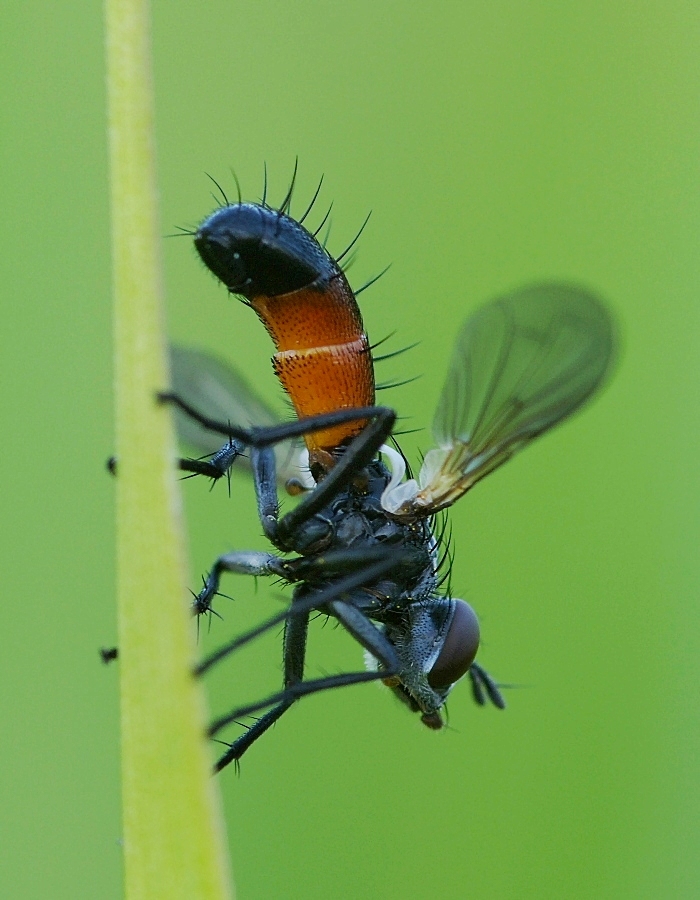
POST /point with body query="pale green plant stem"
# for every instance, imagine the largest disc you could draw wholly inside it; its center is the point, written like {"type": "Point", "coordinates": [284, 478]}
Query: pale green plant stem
{"type": "Point", "coordinates": [174, 839]}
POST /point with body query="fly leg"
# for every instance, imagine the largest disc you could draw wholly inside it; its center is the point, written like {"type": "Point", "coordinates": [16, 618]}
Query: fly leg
{"type": "Point", "coordinates": [361, 628]}
{"type": "Point", "coordinates": [280, 532]}
{"type": "Point", "coordinates": [360, 452]}
{"type": "Point", "coordinates": [481, 681]}
{"type": "Point", "coordinates": [311, 600]}
{"type": "Point", "coordinates": [214, 467]}
{"type": "Point", "coordinates": [243, 562]}
{"type": "Point", "coordinates": [294, 653]}
{"type": "Point", "coordinates": [296, 617]}
{"type": "Point", "coordinates": [357, 455]}
{"type": "Point", "coordinates": [268, 435]}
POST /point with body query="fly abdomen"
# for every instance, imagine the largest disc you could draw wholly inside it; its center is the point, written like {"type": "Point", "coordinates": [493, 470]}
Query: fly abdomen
{"type": "Point", "coordinates": [323, 359]}
{"type": "Point", "coordinates": [255, 250]}
{"type": "Point", "coordinates": [304, 300]}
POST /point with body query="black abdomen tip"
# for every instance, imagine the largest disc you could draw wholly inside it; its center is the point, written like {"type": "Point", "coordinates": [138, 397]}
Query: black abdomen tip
{"type": "Point", "coordinates": [257, 251]}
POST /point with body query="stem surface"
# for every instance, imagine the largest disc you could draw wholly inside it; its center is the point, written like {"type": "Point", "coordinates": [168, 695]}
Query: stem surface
{"type": "Point", "coordinates": [174, 839]}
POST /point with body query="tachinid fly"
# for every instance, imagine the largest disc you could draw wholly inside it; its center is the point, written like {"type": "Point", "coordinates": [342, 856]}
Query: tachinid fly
{"type": "Point", "coordinates": [361, 544]}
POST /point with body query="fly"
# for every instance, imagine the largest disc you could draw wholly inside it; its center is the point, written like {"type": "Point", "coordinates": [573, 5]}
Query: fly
{"type": "Point", "coordinates": [362, 544]}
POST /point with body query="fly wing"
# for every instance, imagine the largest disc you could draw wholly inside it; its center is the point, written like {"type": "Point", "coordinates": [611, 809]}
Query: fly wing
{"type": "Point", "coordinates": [521, 364]}
{"type": "Point", "coordinates": [220, 392]}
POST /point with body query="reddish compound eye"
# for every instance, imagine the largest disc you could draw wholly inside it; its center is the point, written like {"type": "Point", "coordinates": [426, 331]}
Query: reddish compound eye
{"type": "Point", "coordinates": [458, 650]}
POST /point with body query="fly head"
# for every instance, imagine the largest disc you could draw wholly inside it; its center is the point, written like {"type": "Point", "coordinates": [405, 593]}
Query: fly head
{"type": "Point", "coordinates": [436, 641]}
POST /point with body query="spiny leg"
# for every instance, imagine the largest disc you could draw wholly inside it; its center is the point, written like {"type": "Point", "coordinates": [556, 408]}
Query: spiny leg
{"type": "Point", "coordinates": [312, 600]}
{"type": "Point", "coordinates": [481, 681]}
{"type": "Point", "coordinates": [358, 454]}
{"type": "Point", "coordinates": [287, 696]}
{"type": "Point", "coordinates": [266, 436]}
{"type": "Point", "coordinates": [241, 562]}
{"type": "Point", "coordinates": [355, 457]}
{"type": "Point", "coordinates": [215, 466]}
{"type": "Point", "coordinates": [281, 702]}
{"type": "Point", "coordinates": [258, 563]}
{"type": "Point", "coordinates": [359, 626]}
{"type": "Point", "coordinates": [302, 568]}
{"type": "Point", "coordinates": [362, 629]}
{"type": "Point", "coordinates": [294, 653]}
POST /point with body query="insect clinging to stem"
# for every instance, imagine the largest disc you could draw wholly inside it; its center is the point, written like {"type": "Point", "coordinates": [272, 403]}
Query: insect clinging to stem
{"type": "Point", "coordinates": [361, 545]}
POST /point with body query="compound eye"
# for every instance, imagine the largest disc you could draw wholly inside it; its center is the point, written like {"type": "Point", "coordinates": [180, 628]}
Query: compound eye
{"type": "Point", "coordinates": [458, 650]}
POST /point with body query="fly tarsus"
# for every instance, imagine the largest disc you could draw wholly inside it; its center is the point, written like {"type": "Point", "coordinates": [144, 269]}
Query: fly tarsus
{"type": "Point", "coordinates": [483, 687]}
{"type": "Point", "coordinates": [244, 562]}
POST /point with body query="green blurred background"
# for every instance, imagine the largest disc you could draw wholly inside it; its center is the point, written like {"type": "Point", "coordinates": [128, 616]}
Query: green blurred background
{"type": "Point", "coordinates": [497, 143]}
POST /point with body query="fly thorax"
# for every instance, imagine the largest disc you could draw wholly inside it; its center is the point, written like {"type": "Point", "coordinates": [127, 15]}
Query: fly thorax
{"type": "Point", "coordinates": [314, 536]}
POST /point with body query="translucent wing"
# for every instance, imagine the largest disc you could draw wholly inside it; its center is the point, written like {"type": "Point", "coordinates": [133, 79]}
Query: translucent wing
{"type": "Point", "coordinates": [220, 392]}
{"type": "Point", "coordinates": [521, 364]}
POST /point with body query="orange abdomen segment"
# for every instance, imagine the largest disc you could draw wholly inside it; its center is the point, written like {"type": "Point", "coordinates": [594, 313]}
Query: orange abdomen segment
{"type": "Point", "coordinates": [323, 360]}
{"type": "Point", "coordinates": [324, 379]}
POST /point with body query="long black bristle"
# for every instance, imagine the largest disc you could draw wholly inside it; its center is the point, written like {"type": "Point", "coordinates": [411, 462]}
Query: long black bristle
{"type": "Point", "coordinates": [355, 239]}
{"type": "Point", "coordinates": [221, 190]}
{"type": "Point", "coordinates": [313, 200]}
{"type": "Point", "coordinates": [323, 220]}
{"type": "Point", "coordinates": [238, 186]}
{"type": "Point", "coordinates": [286, 204]}
{"type": "Point", "coordinates": [383, 340]}
{"type": "Point", "coordinates": [263, 199]}
{"type": "Point", "coordinates": [395, 353]}
{"type": "Point", "coordinates": [372, 280]}
{"type": "Point", "coordinates": [393, 384]}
